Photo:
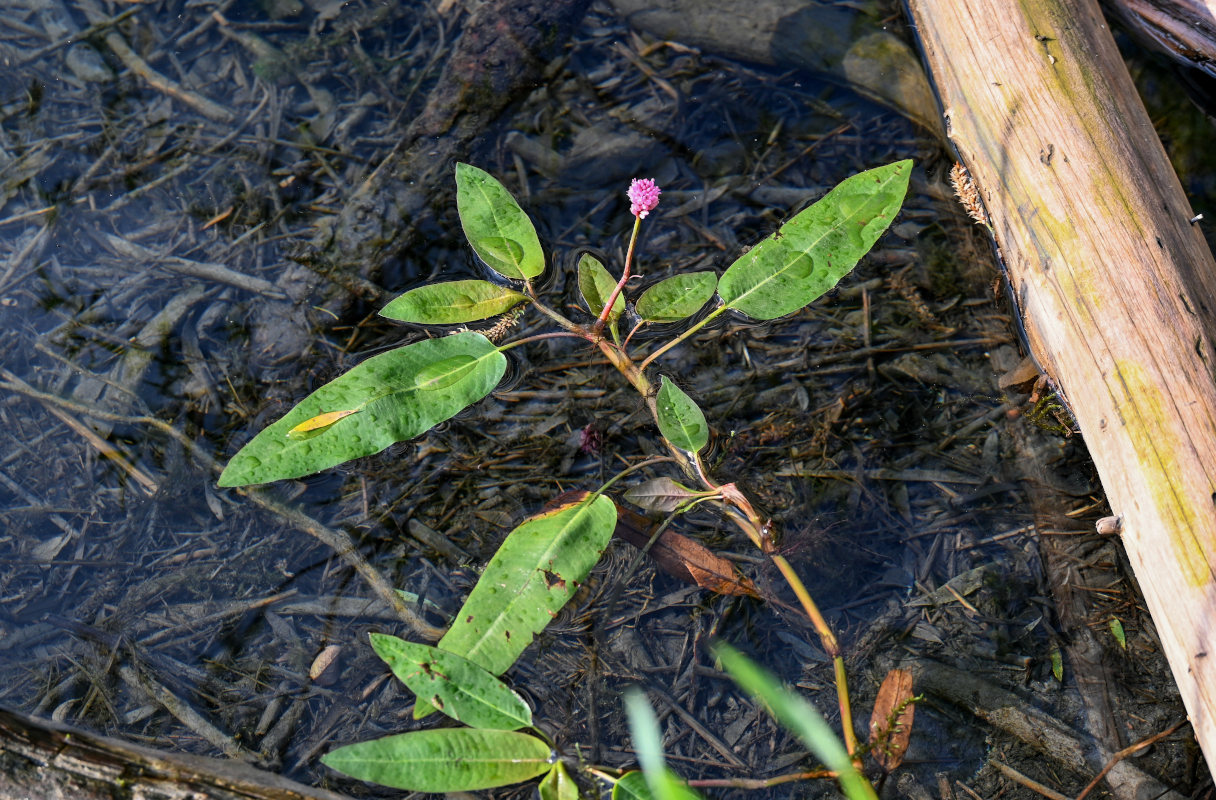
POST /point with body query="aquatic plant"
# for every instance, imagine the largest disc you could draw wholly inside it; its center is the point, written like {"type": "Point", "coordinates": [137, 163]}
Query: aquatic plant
{"type": "Point", "coordinates": [401, 394]}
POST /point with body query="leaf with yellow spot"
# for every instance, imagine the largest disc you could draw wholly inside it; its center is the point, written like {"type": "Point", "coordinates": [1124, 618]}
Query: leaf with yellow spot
{"type": "Point", "coordinates": [311, 427]}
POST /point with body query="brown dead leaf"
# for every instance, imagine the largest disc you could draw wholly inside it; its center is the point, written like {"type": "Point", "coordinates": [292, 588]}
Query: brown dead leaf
{"type": "Point", "coordinates": [891, 721]}
{"type": "Point", "coordinates": [674, 553]}
{"type": "Point", "coordinates": [684, 558]}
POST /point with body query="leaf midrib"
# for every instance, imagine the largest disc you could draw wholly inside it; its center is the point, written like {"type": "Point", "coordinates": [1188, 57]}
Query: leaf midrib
{"type": "Point", "coordinates": [774, 275]}
{"type": "Point", "coordinates": [517, 595]}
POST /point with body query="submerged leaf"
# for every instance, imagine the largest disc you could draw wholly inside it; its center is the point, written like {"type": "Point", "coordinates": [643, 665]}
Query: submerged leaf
{"type": "Point", "coordinates": [814, 250]}
{"type": "Point", "coordinates": [496, 227]}
{"type": "Point", "coordinates": [661, 494]}
{"type": "Point", "coordinates": [677, 297]}
{"type": "Point", "coordinates": [453, 302]}
{"type": "Point", "coordinates": [647, 741]}
{"type": "Point", "coordinates": [891, 720]}
{"type": "Point", "coordinates": [456, 686]}
{"type": "Point", "coordinates": [311, 427]}
{"type": "Point", "coordinates": [444, 760]}
{"type": "Point", "coordinates": [394, 408]}
{"type": "Point", "coordinates": [680, 419]}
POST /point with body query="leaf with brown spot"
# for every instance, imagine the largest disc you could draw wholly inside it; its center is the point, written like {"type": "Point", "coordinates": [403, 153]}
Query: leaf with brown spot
{"type": "Point", "coordinates": [891, 721]}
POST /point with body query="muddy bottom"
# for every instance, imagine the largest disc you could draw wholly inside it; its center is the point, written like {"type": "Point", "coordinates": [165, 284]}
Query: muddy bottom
{"type": "Point", "coordinates": [157, 312]}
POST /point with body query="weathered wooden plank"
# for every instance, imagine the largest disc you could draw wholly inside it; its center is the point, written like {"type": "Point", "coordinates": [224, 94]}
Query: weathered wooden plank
{"type": "Point", "coordinates": [44, 759]}
{"type": "Point", "coordinates": [1115, 285]}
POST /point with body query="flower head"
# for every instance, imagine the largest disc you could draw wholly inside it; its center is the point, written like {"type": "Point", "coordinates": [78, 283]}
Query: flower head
{"type": "Point", "coordinates": [643, 197]}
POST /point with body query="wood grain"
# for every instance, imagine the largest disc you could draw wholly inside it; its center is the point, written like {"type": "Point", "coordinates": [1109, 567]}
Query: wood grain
{"type": "Point", "coordinates": [1114, 282]}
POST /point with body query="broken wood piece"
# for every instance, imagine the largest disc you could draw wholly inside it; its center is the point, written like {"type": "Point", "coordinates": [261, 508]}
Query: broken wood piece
{"type": "Point", "coordinates": [1114, 284]}
{"type": "Point", "coordinates": [195, 269]}
{"type": "Point", "coordinates": [835, 39]}
{"type": "Point", "coordinates": [1013, 715]}
{"type": "Point", "coordinates": [131, 60]}
{"type": "Point", "coordinates": [40, 758]}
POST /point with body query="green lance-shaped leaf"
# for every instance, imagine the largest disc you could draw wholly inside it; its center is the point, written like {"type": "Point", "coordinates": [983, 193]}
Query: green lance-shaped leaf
{"type": "Point", "coordinates": [444, 760]}
{"type": "Point", "coordinates": [631, 786]}
{"type": "Point", "coordinates": [647, 741]}
{"type": "Point", "coordinates": [558, 785]}
{"type": "Point", "coordinates": [496, 227]}
{"type": "Point", "coordinates": [535, 571]}
{"type": "Point", "coordinates": [814, 250]}
{"type": "Point", "coordinates": [799, 716]}
{"type": "Point", "coordinates": [680, 420]}
{"type": "Point", "coordinates": [676, 298]}
{"type": "Point", "coordinates": [399, 394]}
{"type": "Point", "coordinates": [596, 285]}
{"type": "Point", "coordinates": [453, 684]}
{"type": "Point", "coordinates": [453, 302]}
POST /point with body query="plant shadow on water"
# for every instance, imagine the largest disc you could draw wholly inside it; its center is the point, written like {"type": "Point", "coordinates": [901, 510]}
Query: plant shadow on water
{"type": "Point", "coordinates": [152, 273]}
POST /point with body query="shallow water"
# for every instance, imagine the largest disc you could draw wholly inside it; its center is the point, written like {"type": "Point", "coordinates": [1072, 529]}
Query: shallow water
{"type": "Point", "coordinates": [156, 316]}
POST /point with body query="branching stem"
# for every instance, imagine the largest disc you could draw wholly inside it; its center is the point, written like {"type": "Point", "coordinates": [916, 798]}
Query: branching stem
{"type": "Point", "coordinates": [717, 312]}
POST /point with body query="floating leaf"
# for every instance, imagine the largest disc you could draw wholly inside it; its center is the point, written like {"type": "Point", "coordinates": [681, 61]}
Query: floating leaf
{"type": "Point", "coordinates": [680, 419]}
{"type": "Point", "coordinates": [444, 760]}
{"type": "Point", "coordinates": [453, 302]}
{"type": "Point", "coordinates": [454, 685]}
{"type": "Point", "coordinates": [394, 408]}
{"type": "Point", "coordinates": [891, 719]}
{"type": "Point", "coordinates": [538, 568]}
{"type": "Point", "coordinates": [631, 786]}
{"type": "Point", "coordinates": [799, 716]}
{"type": "Point", "coordinates": [445, 373]}
{"type": "Point", "coordinates": [597, 285]}
{"type": "Point", "coordinates": [677, 297]}
{"type": "Point", "coordinates": [496, 227]}
{"type": "Point", "coordinates": [311, 427]}
{"type": "Point", "coordinates": [814, 250]}
{"type": "Point", "coordinates": [647, 741]}
{"type": "Point", "coordinates": [558, 785]}
{"type": "Point", "coordinates": [661, 494]}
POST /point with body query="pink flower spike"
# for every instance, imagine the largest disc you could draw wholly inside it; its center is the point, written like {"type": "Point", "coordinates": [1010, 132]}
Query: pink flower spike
{"type": "Point", "coordinates": [643, 197]}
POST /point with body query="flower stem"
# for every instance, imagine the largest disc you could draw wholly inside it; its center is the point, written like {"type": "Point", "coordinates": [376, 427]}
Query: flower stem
{"type": "Point", "coordinates": [625, 275]}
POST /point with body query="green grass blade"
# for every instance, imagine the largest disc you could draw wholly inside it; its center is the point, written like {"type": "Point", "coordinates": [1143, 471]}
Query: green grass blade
{"type": "Point", "coordinates": [799, 716]}
{"type": "Point", "coordinates": [647, 741]}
